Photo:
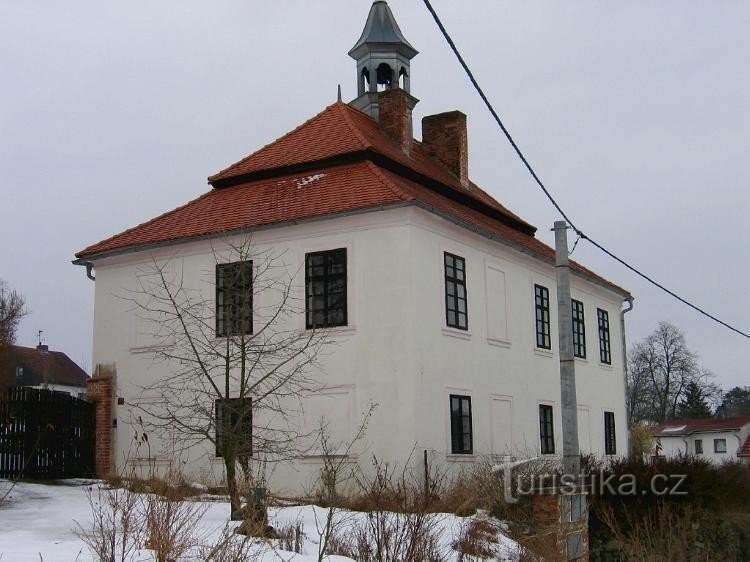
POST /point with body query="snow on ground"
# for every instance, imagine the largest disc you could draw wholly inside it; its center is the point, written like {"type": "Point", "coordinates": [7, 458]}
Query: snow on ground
{"type": "Point", "coordinates": [37, 523]}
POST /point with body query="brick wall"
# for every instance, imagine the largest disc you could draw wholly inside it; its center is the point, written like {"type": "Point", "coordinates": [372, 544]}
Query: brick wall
{"type": "Point", "coordinates": [101, 390]}
{"type": "Point", "coordinates": [548, 515]}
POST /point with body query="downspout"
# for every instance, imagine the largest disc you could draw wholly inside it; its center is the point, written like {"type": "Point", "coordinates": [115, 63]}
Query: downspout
{"type": "Point", "coordinates": [628, 421]}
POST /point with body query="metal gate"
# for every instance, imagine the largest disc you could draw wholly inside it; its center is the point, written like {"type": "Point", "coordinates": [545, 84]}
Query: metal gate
{"type": "Point", "coordinates": [45, 435]}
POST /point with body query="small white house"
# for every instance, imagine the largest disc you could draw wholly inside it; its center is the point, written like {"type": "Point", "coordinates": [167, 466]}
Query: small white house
{"type": "Point", "coordinates": [716, 440]}
{"type": "Point", "coordinates": [441, 301]}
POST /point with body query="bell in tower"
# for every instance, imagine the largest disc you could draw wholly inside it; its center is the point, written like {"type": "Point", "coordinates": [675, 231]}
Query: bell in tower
{"type": "Point", "coordinates": [383, 58]}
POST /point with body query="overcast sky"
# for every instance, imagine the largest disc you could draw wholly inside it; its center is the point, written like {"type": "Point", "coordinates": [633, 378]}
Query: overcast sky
{"type": "Point", "coordinates": [635, 114]}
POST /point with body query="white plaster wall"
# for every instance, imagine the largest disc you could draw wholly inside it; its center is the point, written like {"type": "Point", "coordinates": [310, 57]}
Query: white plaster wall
{"type": "Point", "coordinates": [681, 445]}
{"type": "Point", "coordinates": [396, 351]}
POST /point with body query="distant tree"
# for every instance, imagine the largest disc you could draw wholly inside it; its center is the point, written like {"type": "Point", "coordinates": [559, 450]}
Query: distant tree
{"type": "Point", "coordinates": [660, 368]}
{"type": "Point", "coordinates": [12, 310]}
{"type": "Point", "coordinates": [694, 404]}
{"type": "Point", "coordinates": [735, 402]}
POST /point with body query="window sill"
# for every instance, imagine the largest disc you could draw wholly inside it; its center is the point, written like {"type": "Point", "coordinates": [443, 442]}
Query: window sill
{"type": "Point", "coordinates": [498, 343]}
{"type": "Point", "coordinates": [149, 348]}
{"type": "Point", "coordinates": [606, 366]}
{"type": "Point", "coordinates": [336, 330]}
{"type": "Point", "coordinates": [544, 352]}
{"type": "Point", "coordinates": [581, 360]}
{"type": "Point", "coordinates": [460, 457]}
{"type": "Point", "coordinates": [456, 333]}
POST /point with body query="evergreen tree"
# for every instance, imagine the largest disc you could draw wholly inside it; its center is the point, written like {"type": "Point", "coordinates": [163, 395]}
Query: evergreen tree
{"type": "Point", "coordinates": [736, 402]}
{"type": "Point", "coordinates": [694, 404]}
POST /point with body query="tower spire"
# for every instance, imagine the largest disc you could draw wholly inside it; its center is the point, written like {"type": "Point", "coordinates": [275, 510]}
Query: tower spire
{"type": "Point", "coordinates": [383, 58]}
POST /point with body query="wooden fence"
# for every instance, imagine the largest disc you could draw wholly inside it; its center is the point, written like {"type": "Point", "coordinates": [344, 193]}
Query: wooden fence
{"type": "Point", "coordinates": [45, 435]}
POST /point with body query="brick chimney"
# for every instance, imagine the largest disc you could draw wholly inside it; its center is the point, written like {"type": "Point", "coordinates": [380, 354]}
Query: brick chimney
{"type": "Point", "coordinates": [444, 138]}
{"type": "Point", "coordinates": [394, 115]}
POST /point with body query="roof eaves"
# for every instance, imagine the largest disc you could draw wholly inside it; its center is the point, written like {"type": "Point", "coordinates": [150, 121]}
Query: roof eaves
{"type": "Point", "coordinates": [83, 260]}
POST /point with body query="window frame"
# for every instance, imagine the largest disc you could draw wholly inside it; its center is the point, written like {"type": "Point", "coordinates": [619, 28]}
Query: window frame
{"type": "Point", "coordinates": [327, 278]}
{"type": "Point", "coordinates": [546, 422]}
{"type": "Point", "coordinates": [226, 325]}
{"type": "Point", "coordinates": [578, 318]}
{"type": "Point", "coordinates": [605, 340]}
{"type": "Point", "coordinates": [716, 446]}
{"type": "Point", "coordinates": [246, 425]}
{"type": "Point", "coordinates": [698, 446]}
{"type": "Point", "coordinates": [542, 317]}
{"type": "Point", "coordinates": [452, 301]}
{"type": "Point", "coordinates": [610, 433]}
{"type": "Point", "coordinates": [458, 431]}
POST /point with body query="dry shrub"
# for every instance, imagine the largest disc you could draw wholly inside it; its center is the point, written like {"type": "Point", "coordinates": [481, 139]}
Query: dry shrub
{"type": "Point", "coordinates": [231, 547]}
{"type": "Point", "coordinates": [171, 525]}
{"type": "Point", "coordinates": [477, 539]}
{"type": "Point", "coordinates": [173, 485]}
{"type": "Point", "coordinates": [291, 537]}
{"type": "Point", "coordinates": [117, 524]}
{"type": "Point", "coordinates": [680, 532]}
{"type": "Point", "coordinates": [397, 523]}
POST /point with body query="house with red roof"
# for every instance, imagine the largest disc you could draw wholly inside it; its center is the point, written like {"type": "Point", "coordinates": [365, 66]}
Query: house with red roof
{"type": "Point", "coordinates": [715, 439]}
{"type": "Point", "coordinates": [441, 301]}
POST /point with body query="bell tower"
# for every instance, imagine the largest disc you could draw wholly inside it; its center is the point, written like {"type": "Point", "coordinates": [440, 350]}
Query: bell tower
{"type": "Point", "coordinates": [383, 58]}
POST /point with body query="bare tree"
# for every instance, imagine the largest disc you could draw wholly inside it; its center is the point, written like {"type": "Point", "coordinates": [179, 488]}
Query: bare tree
{"type": "Point", "coordinates": [237, 356]}
{"type": "Point", "coordinates": [660, 370]}
{"type": "Point", "coordinates": [12, 310]}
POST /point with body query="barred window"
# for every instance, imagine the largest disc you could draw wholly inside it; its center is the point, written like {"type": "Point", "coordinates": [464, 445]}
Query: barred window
{"type": "Point", "coordinates": [605, 355]}
{"type": "Point", "coordinates": [546, 430]}
{"type": "Point", "coordinates": [325, 289]}
{"type": "Point", "coordinates": [455, 292]}
{"type": "Point", "coordinates": [461, 434]}
{"type": "Point", "coordinates": [699, 446]}
{"type": "Point", "coordinates": [541, 307]}
{"type": "Point", "coordinates": [579, 329]}
{"type": "Point", "coordinates": [610, 443]}
{"type": "Point", "coordinates": [234, 418]}
{"type": "Point", "coordinates": [234, 298]}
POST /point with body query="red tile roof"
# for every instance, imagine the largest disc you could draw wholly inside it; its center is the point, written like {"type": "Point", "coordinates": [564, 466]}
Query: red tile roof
{"type": "Point", "coordinates": [745, 449]}
{"type": "Point", "coordinates": [346, 130]}
{"type": "Point", "coordinates": [338, 161]}
{"type": "Point", "coordinates": [688, 426]}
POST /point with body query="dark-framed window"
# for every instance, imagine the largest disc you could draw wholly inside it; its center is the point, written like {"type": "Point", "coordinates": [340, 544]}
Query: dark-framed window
{"type": "Point", "coordinates": [541, 308]}
{"type": "Point", "coordinates": [546, 429]}
{"type": "Point", "coordinates": [461, 434]}
{"type": "Point", "coordinates": [234, 298]}
{"type": "Point", "coordinates": [605, 354]}
{"type": "Point", "coordinates": [699, 446]}
{"type": "Point", "coordinates": [456, 314]}
{"type": "Point", "coordinates": [235, 416]}
{"type": "Point", "coordinates": [720, 445]}
{"type": "Point", "coordinates": [579, 329]}
{"type": "Point", "coordinates": [325, 288]}
{"type": "Point", "coordinates": [610, 443]}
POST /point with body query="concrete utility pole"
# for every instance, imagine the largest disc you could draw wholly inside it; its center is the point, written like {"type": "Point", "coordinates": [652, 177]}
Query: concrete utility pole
{"type": "Point", "coordinates": [571, 453]}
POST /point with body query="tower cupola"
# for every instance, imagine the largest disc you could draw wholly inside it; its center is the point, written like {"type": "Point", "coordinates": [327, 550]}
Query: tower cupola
{"type": "Point", "coordinates": [383, 58]}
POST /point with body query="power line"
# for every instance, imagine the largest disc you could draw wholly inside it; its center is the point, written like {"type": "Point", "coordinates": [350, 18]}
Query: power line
{"type": "Point", "coordinates": [549, 196]}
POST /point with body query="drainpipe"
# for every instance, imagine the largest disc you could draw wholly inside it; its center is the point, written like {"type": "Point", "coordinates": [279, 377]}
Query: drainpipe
{"type": "Point", "coordinates": [89, 269]}
{"type": "Point", "coordinates": [628, 421]}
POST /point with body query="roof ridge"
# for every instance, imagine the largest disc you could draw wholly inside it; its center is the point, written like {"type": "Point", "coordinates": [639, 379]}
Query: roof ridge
{"type": "Point", "coordinates": [212, 177]}
{"type": "Point", "coordinates": [352, 127]}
